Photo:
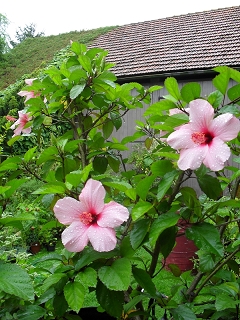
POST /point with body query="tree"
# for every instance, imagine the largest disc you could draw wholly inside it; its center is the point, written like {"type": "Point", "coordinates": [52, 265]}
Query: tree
{"type": "Point", "coordinates": [3, 35]}
{"type": "Point", "coordinates": [29, 31]}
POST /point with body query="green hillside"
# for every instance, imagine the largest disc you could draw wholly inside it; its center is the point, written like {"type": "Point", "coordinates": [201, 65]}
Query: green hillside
{"type": "Point", "coordinates": [35, 53]}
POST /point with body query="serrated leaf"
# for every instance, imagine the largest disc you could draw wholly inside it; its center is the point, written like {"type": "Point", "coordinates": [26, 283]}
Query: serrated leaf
{"type": "Point", "coordinates": [206, 237]}
{"type": "Point", "coordinates": [31, 312]}
{"type": "Point", "coordinates": [117, 276]}
{"type": "Point", "coordinates": [76, 90]}
{"type": "Point", "coordinates": [111, 301]}
{"type": "Point", "coordinates": [52, 280]}
{"type": "Point", "coordinates": [223, 301]}
{"type": "Point", "coordinates": [182, 312]}
{"type": "Point", "coordinates": [14, 280]}
{"type": "Point", "coordinates": [87, 277]}
{"type": "Point", "coordinates": [163, 222]}
{"type": "Point", "coordinates": [89, 255]}
{"type": "Point", "coordinates": [74, 294]}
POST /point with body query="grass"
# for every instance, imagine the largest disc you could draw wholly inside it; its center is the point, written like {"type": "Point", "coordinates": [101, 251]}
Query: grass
{"type": "Point", "coordinates": [35, 53]}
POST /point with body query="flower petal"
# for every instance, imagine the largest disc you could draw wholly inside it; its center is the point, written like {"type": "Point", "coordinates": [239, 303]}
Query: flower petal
{"type": "Point", "coordinates": [92, 196]}
{"type": "Point", "coordinates": [74, 237]}
{"type": "Point", "coordinates": [201, 114]}
{"type": "Point", "coordinates": [226, 127]}
{"type": "Point", "coordinates": [102, 239]}
{"type": "Point", "coordinates": [218, 153]}
{"type": "Point", "coordinates": [192, 158]}
{"type": "Point", "coordinates": [181, 138]}
{"type": "Point", "coordinates": [113, 215]}
{"type": "Point", "coordinates": [18, 130]}
{"type": "Point", "coordinates": [68, 210]}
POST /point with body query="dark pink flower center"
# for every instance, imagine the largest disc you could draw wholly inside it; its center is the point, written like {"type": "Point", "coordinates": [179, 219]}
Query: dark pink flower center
{"type": "Point", "coordinates": [88, 218]}
{"type": "Point", "coordinates": [202, 138]}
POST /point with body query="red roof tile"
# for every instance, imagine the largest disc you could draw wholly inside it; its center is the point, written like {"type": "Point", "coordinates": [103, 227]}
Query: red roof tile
{"type": "Point", "coordinates": [193, 41]}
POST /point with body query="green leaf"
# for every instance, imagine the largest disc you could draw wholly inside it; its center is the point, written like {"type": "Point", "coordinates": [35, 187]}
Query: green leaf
{"type": "Point", "coordinates": [56, 187]}
{"type": "Point", "coordinates": [223, 301]}
{"type": "Point", "coordinates": [131, 193]}
{"type": "Point", "coordinates": [144, 280]}
{"type": "Point", "coordinates": [78, 48]}
{"type": "Point", "coordinates": [163, 222]}
{"type": "Point", "coordinates": [119, 185]}
{"type": "Point", "coordinates": [111, 301]}
{"type": "Point", "coordinates": [161, 167]}
{"type": "Point", "coordinates": [100, 164]}
{"type": "Point", "coordinates": [191, 200]}
{"type": "Point", "coordinates": [87, 277]}
{"type": "Point", "coordinates": [215, 99]}
{"type": "Point", "coordinates": [140, 208]}
{"type": "Point", "coordinates": [167, 239]}
{"type": "Point", "coordinates": [31, 312]}
{"type": "Point", "coordinates": [191, 91]}
{"type": "Point", "coordinates": [14, 280]}
{"type": "Point", "coordinates": [117, 276]}
{"type": "Point", "coordinates": [89, 255]}
{"type": "Point", "coordinates": [210, 186]}
{"type": "Point", "coordinates": [206, 261]}
{"type": "Point", "coordinates": [221, 81]}
{"type": "Point", "coordinates": [14, 184]}
{"type": "Point", "coordinates": [144, 185]}
{"type": "Point", "coordinates": [52, 280]}
{"type": "Point", "coordinates": [166, 183]}
{"type": "Point", "coordinates": [116, 120]}
{"type": "Point", "coordinates": [172, 87]}
{"type": "Point", "coordinates": [138, 233]}
{"type": "Point", "coordinates": [233, 92]}
{"type": "Point", "coordinates": [182, 312]}
{"type": "Point", "coordinates": [206, 237]}
{"type": "Point", "coordinates": [157, 108]}
{"type": "Point", "coordinates": [4, 189]}
{"type": "Point", "coordinates": [76, 90]}
{"type": "Point", "coordinates": [107, 128]}
{"type": "Point", "coordinates": [47, 154]}
{"type": "Point", "coordinates": [29, 154]}
{"type": "Point", "coordinates": [85, 62]}
{"type": "Point", "coordinates": [74, 295]}
{"type": "Point", "coordinates": [74, 178]}
{"type": "Point", "coordinates": [113, 163]}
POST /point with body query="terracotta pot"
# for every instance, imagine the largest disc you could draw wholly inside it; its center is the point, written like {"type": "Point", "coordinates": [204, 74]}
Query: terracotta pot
{"type": "Point", "coordinates": [184, 251]}
{"type": "Point", "coordinates": [35, 247]}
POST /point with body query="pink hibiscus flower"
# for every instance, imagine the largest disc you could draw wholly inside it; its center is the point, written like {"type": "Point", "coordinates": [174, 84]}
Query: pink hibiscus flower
{"type": "Point", "coordinates": [28, 94]}
{"type": "Point", "coordinates": [21, 122]}
{"type": "Point", "coordinates": [90, 219]}
{"type": "Point", "coordinates": [203, 139]}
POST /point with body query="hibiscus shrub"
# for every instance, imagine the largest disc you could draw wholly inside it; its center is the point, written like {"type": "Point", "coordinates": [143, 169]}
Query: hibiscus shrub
{"type": "Point", "coordinates": [83, 169]}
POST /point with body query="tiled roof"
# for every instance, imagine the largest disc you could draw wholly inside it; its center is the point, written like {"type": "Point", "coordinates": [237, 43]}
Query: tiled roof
{"type": "Point", "coordinates": [193, 41]}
